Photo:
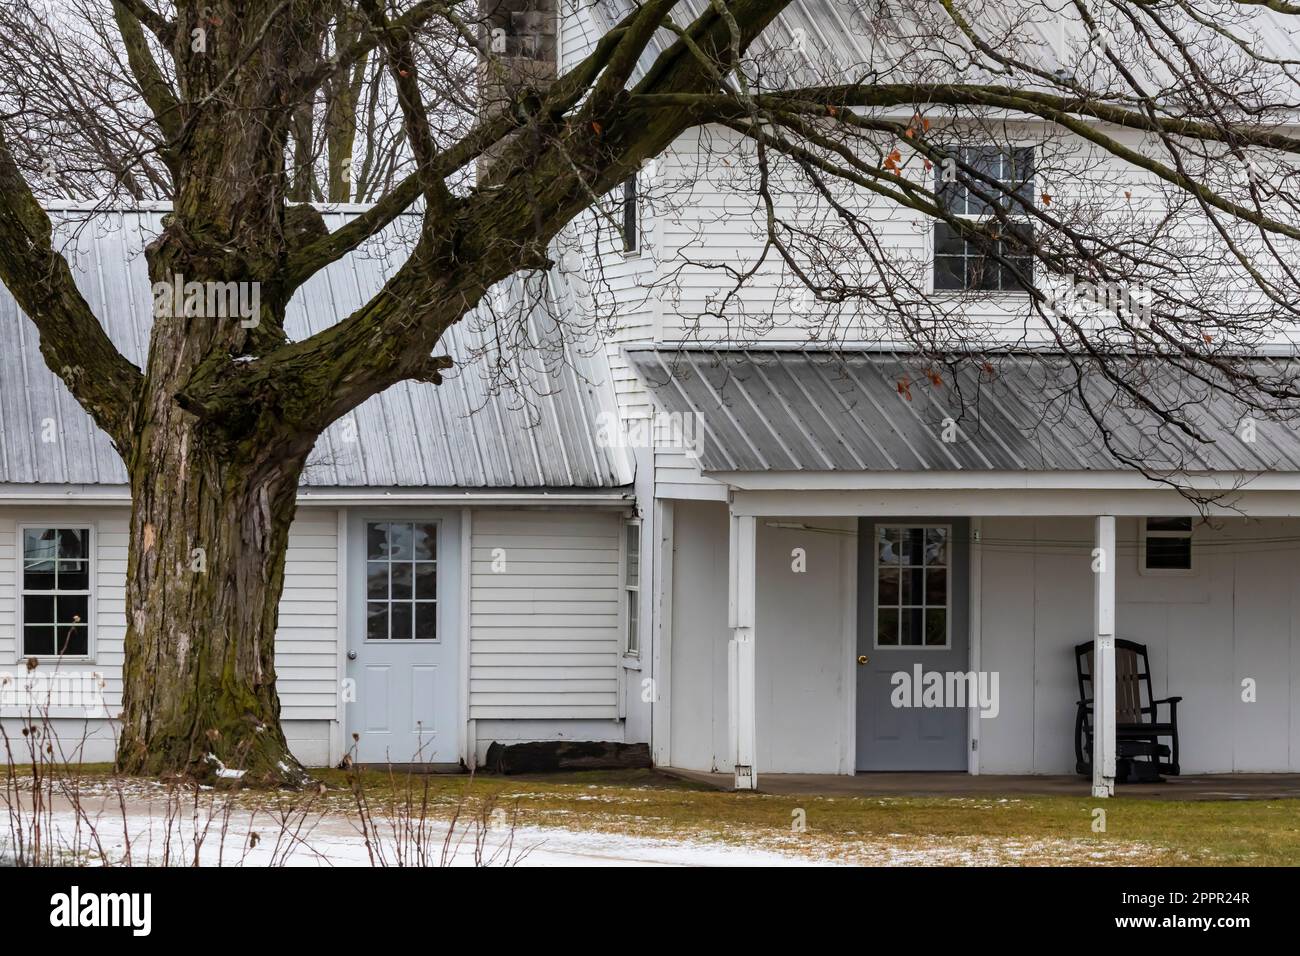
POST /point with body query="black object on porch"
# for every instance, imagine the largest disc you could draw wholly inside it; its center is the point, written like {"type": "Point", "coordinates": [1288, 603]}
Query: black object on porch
{"type": "Point", "coordinates": [1139, 755]}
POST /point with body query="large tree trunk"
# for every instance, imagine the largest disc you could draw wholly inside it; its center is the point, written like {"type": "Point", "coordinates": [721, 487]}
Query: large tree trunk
{"type": "Point", "coordinates": [208, 541]}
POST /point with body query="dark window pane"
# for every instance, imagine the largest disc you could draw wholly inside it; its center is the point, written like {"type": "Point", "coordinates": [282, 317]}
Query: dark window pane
{"type": "Point", "coordinates": [73, 641]}
{"type": "Point", "coordinates": [1169, 554]}
{"type": "Point", "coordinates": [947, 242]}
{"type": "Point", "coordinates": [38, 641]}
{"type": "Point", "coordinates": [936, 586]}
{"type": "Point", "coordinates": [426, 620]}
{"type": "Point", "coordinates": [426, 580]}
{"type": "Point", "coordinates": [1169, 524]}
{"type": "Point", "coordinates": [376, 540]}
{"type": "Point", "coordinates": [910, 629]}
{"type": "Point", "coordinates": [951, 195]}
{"type": "Point", "coordinates": [39, 543]}
{"type": "Point", "coordinates": [377, 621]}
{"type": "Point", "coordinates": [936, 545]}
{"type": "Point", "coordinates": [888, 544]}
{"type": "Point", "coordinates": [984, 274]}
{"type": "Point", "coordinates": [426, 542]}
{"type": "Point", "coordinates": [73, 542]}
{"type": "Point", "coordinates": [377, 579]}
{"type": "Point", "coordinates": [629, 214]}
{"type": "Point", "coordinates": [936, 627]}
{"type": "Point", "coordinates": [38, 609]}
{"type": "Point", "coordinates": [402, 621]}
{"type": "Point", "coordinates": [949, 272]}
{"type": "Point", "coordinates": [38, 576]}
{"type": "Point", "coordinates": [74, 575]}
{"type": "Point", "coordinates": [887, 626]}
{"type": "Point", "coordinates": [72, 608]}
{"type": "Point", "coordinates": [402, 581]}
{"type": "Point", "coordinates": [1018, 275]}
{"type": "Point", "coordinates": [399, 541]}
{"type": "Point", "coordinates": [888, 591]}
{"type": "Point", "coordinates": [911, 586]}
{"type": "Point", "coordinates": [1020, 172]}
{"type": "Point", "coordinates": [913, 546]}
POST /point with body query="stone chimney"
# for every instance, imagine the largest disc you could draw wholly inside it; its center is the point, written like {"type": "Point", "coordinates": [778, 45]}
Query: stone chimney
{"type": "Point", "coordinates": [522, 37]}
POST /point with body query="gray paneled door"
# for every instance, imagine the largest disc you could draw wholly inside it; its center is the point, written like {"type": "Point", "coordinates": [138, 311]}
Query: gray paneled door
{"type": "Point", "coordinates": [403, 638]}
{"type": "Point", "coordinates": [913, 599]}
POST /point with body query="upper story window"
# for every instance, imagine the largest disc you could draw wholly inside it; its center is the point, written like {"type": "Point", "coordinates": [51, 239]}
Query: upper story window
{"type": "Point", "coordinates": [401, 581]}
{"type": "Point", "coordinates": [1166, 546]}
{"type": "Point", "coordinates": [56, 590]}
{"type": "Point", "coordinates": [631, 215]}
{"type": "Point", "coordinates": [986, 264]}
{"type": "Point", "coordinates": [632, 587]}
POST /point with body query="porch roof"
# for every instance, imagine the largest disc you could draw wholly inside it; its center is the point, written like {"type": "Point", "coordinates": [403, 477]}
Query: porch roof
{"type": "Point", "coordinates": [776, 410]}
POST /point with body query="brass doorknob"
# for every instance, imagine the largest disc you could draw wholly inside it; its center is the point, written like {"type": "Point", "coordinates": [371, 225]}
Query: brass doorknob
{"type": "Point", "coordinates": [864, 659]}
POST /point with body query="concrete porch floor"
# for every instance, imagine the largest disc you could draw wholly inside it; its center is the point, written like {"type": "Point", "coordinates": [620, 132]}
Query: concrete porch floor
{"type": "Point", "coordinates": [1227, 786]}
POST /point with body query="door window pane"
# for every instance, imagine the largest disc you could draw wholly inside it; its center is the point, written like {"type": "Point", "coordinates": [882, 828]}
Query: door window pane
{"type": "Point", "coordinates": [426, 621]}
{"type": "Point", "coordinates": [401, 581]}
{"type": "Point", "coordinates": [912, 586]}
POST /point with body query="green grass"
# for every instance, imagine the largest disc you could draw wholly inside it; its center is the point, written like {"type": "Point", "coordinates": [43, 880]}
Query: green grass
{"type": "Point", "coordinates": [876, 830]}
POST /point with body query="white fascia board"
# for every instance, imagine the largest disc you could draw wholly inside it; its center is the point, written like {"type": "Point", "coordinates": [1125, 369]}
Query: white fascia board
{"type": "Point", "coordinates": [121, 495]}
{"type": "Point", "coordinates": [1043, 502]}
{"type": "Point", "coordinates": [1218, 481]}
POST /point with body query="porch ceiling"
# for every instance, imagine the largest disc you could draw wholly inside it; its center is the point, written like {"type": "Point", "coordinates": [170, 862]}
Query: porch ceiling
{"type": "Point", "coordinates": [823, 411]}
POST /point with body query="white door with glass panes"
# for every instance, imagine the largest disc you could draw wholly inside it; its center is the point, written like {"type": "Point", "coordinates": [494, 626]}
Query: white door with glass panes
{"type": "Point", "coordinates": [402, 691]}
{"type": "Point", "coordinates": [913, 593]}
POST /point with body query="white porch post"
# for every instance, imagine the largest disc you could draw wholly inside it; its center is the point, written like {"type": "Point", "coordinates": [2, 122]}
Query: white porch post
{"type": "Point", "coordinates": [1103, 658]}
{"type": "Point", "coordinates": [741, 697]}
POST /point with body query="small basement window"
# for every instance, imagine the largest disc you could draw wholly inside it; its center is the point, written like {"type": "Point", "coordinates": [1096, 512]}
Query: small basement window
{"type": "Point", "coordinates": [56, 577]}
{"type": "Point", "coordinates": [1166, 546]}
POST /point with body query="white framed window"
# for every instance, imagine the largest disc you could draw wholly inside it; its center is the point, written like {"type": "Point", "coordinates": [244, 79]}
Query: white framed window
{"type": "Point", "coordinates": [56, 577]}
{"type": "Point", "coordinates": [1165, 546]}
{"type": "Point", "coordinates": [961, 263]}
{"type": "Point", "coordinates": [632, 589]}
{"type": "Point", "coordinates": [913, 572]}
{"type": "Point", "coordinates": [402, 580]}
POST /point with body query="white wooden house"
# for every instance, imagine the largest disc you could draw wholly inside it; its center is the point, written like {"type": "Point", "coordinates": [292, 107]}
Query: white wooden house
{"type": "Point", "coordinates": [734, 596]}
{"type": "Point", "coordinates": [790, 480]}
{"type": "Point", "coordinates": [455, 572]}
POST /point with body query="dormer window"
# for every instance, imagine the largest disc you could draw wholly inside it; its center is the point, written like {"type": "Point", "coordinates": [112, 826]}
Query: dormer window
{"type": "Point", "coordinates": [992, 265]}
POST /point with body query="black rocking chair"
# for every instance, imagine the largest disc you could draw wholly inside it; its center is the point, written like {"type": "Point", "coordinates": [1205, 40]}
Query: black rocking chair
{"type": "Point", "coordinates": [1140, 757]}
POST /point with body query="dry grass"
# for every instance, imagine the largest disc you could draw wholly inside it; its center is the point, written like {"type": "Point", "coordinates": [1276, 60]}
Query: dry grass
{"type": "Point", "coordinates": [1026, 830]}
{"type": "Point", "coordinates": [895, 830]}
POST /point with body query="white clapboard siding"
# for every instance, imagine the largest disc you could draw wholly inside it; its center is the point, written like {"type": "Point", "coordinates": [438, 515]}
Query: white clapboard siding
{"type": "Point", "coordinates": [544, 632]}
{"type": "Point", "coordinates": [306, 649]}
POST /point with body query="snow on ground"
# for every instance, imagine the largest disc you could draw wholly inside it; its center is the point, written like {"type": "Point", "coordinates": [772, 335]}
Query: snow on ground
{"type": "Point", "coordinates": [157, 835]}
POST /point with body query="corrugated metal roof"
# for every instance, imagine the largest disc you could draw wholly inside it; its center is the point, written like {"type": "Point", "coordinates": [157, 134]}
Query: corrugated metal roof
{"type": "Point", "coordinates": [537, 431]}
{"type": "Point", "coordinates": [815, 41]}
{"type": "Point", "coordinates": [775, 410]}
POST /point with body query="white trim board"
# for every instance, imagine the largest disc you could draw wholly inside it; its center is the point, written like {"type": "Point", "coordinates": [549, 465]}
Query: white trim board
{"type": "Point", "coordinates": [1220, 481]}
{"type": "Point", "coordinates": [1004, 502]}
